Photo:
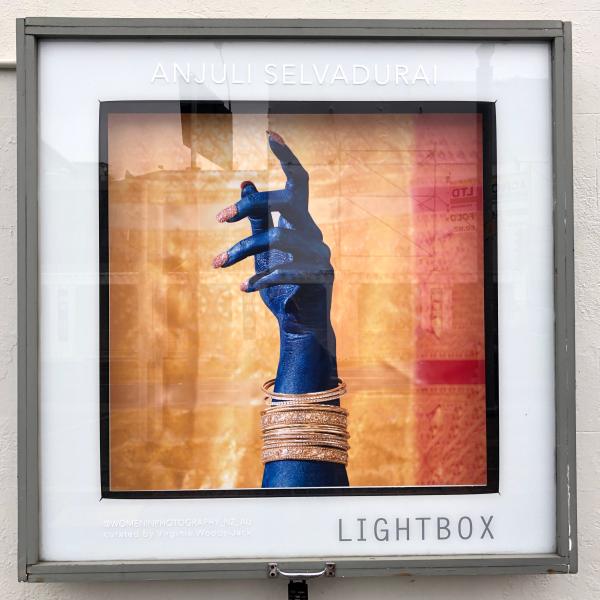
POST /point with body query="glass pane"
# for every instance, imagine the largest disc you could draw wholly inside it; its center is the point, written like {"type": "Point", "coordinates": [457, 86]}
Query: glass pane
{"type": "Point", "coordinates": [403, 194]}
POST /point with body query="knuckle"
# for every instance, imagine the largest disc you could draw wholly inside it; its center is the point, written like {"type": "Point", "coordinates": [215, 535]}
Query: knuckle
{"type": "Point", "coordinates": [243, 246]}
{"type": "Point", "coordinates": [302, 175]}
{"type": "Point", "coordinates": [299, 173]}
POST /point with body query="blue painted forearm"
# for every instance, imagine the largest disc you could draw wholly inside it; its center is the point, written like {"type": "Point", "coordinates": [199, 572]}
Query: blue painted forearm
{"type": "Point", "coordinates": [307, 363]}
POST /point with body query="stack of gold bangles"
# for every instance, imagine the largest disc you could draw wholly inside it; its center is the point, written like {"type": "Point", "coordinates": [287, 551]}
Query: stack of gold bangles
{"type": "Point", "coordinates": [304, 427]}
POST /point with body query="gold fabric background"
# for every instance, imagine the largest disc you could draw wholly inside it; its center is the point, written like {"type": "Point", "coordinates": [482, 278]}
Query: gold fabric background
{"type": "Point", "coordinates": [188, 350]}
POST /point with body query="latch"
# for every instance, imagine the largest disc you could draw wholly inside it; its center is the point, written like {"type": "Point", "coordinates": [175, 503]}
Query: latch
{"type": "Point", "coordinates": [297, 587]}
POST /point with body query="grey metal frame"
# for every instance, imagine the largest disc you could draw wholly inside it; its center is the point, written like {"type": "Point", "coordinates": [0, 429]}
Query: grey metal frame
{"type": "Point", "coordinates": [556, 33]}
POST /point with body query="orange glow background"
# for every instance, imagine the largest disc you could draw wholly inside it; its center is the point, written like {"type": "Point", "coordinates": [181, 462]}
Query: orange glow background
{"type": "Point", "coordinates": [398, 198]}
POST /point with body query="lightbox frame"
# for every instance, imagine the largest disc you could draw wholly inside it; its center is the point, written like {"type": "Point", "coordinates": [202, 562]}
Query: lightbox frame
{"type": "Point", "coordinates": [558, 36]}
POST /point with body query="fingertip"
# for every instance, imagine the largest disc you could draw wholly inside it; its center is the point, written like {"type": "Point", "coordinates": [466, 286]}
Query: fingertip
{"type": "Point", "coordinates": [245, 286]}
{"type": "Point", "coordinates": [219, 260]}
{"type": "Point", "coordinates": [227, 213]}
{"type": "Point", "coordinates": [275, 137]}
{"type": "Point", "coordinates": [247, 188]}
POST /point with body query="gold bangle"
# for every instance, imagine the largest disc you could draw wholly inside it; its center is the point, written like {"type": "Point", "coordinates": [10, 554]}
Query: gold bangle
{"type": "Point", "coordinates": [305, 418]}
{"type": "Point", "coordinates": [334, 391]}
{"type": "Point", "coordinates": [312, 407]}
{"type": "Point", "coordinates": [307, 441]}
{"type": "Point", "coordinates": [307, 397]}
{"type": "Point", "coordinates": [305, 453]}
{"type": "Point", "coordinates": [312, 420]}
{"type": "Point", "coordinates": [302, 430]}
{"type": "Point", "coordinates": [305, 435]}
{"type": "Point", "coordinates": [306, 402]}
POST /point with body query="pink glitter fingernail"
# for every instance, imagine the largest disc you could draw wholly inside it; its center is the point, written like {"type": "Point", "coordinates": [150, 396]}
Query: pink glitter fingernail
{"type": "Point", "coordinates": [227, 213]}
{"type": "Point", "coordinates": [220, 260]}
{"type": "Point", "coordinates": [276, 137]}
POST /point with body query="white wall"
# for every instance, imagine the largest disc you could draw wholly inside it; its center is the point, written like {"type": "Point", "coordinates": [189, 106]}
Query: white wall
{"type": "Point", "coordinates": [585, 15]}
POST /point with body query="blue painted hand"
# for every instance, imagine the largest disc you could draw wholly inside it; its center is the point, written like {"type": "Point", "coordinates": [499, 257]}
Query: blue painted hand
{"type": "Point", "coordinates": [294, 277]}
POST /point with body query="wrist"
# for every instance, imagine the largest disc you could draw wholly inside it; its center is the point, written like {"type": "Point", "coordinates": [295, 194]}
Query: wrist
{"type": "Point", "coordinates": [307, 361]}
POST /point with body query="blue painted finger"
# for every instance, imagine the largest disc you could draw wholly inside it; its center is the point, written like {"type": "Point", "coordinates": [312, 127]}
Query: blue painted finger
{"type": "Point", "coordinates": [296, 174]}
{"type": "Point", "coordinates": [254, 204]}
{"type": "Point", "coordinates": [259, 223]}
{"type": "Point", "coordinates": [289, 274]}
{"type": "Point", "coordinates": [285, 240]}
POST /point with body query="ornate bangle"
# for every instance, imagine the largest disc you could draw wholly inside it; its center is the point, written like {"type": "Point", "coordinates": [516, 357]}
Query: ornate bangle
{"type": "Point", "coordinates": [293, 452]}
{"type": "Point", "coordinates": [270, 421]}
